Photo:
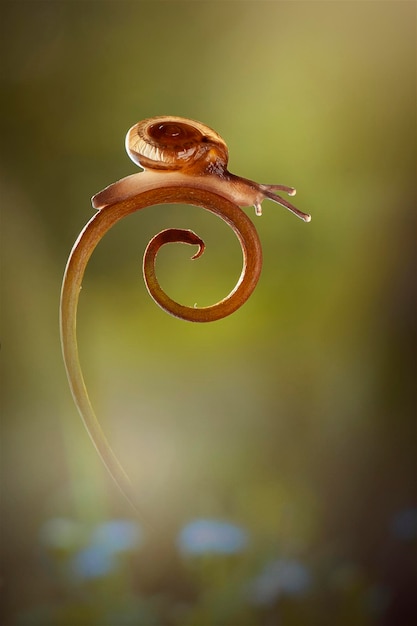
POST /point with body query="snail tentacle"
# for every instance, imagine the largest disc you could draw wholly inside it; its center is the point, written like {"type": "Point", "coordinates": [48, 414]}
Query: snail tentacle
{"type": "Point", "coordinates": [268, 191]}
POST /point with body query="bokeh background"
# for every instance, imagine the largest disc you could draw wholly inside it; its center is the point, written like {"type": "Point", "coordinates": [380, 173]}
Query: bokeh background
{"type": "Point", "coordinates": [273, 451]}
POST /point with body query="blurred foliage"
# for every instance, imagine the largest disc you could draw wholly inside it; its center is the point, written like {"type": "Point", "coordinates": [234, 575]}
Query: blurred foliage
{"type": "Point", "coordinates": [293, 419]}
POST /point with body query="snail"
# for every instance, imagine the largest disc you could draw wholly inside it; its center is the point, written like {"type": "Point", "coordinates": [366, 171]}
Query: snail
{"type": "Point", "coordinates": [178, 148]}
{"type": "Point", "coordinates": [183, 161]}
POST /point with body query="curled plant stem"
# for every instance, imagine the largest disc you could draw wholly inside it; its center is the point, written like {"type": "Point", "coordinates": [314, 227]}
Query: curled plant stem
{"type": "Point", "coordinates": [183, 161]}
{"type": "Point", "coordinates": [88, 239]}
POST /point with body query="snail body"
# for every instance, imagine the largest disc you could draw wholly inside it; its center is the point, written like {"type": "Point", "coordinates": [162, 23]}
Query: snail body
{"type": "Point", "coordinates": [179, 151]}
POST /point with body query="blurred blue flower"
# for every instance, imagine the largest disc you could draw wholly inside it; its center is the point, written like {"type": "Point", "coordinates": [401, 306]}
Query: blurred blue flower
{"type": "Point", "coordinates": [93, 562]}
{"type": "Point", "coordinates": [282, 577]}
{"type": "Point", "coordinates": [207, 536]}
{"type": "Point", "coordinates": [404, 524]}
{"type": "Point", "coordinates": [117, 535]}
{"type": "Point", "coordinates": [107, 541]}
{"type": "Point", "coordinates": [88, 554]}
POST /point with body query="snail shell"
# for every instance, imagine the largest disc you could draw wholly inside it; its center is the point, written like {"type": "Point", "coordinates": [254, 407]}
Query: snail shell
{"type": "Point", "coordinates": [176, 143]}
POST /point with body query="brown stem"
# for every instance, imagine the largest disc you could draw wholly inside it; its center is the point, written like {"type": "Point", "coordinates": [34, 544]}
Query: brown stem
{"type": "Point", "coordinates": [83, 248]}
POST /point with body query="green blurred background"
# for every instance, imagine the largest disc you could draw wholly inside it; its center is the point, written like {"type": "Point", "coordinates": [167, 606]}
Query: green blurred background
{"type": "Point", "coordinates": [290, 425]}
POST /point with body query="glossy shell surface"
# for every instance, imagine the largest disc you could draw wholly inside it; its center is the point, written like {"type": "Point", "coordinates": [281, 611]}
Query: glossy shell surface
{"type": "Point", "coordinates": [176, 143]}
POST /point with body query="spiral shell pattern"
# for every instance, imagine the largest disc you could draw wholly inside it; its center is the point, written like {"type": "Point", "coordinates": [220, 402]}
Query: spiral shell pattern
{"type": "Point", "coordinates": [176, 143]}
